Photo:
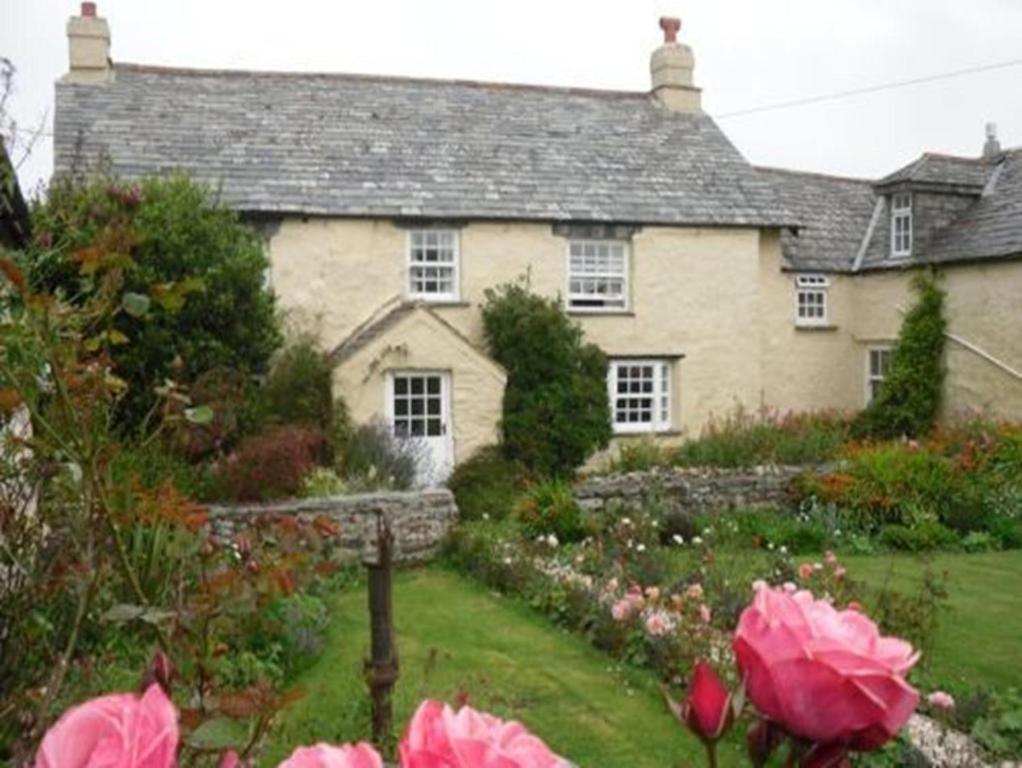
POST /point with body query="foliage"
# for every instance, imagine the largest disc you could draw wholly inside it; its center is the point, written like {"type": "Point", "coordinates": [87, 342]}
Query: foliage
{"type": "Point", "coordinates": [742, 439]}
{"type": "Point", "coordinates": [272, 464]}
{"type": "Point", "coordinates": [914, 616]}
{"type": "Point", "coordinates": [639, 455]}
{"type": "Point", "coordinates": [910, 397]}
{"type": "Point", "coordinates": [173, 241]}
{"type": "Point", "coordinates": [487, 485]}
{"type": "Point", "coordinates": [556, 411]}
{"type": "Point", "coordinates": [376, 459]}
{"type": "Point", "coordinates": [549, 508]}
{"type": "Point", "coordinates": [323, 481]}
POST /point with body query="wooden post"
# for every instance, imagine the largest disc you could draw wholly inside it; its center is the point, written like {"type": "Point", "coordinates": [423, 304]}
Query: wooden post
{"type": "Point", "coordinates": [381, 669]}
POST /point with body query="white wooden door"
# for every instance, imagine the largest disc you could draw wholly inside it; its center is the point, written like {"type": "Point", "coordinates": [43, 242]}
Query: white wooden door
{"type": "Point", "coordinates": [419, 410]}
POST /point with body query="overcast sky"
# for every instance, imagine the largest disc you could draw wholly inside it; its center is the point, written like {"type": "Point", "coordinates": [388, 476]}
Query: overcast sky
{"type": "Point", "coordinates": [748, 53]}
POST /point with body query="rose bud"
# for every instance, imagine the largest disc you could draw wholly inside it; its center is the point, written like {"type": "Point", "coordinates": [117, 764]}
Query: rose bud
{"type": "Point", "coordinates": [160, 671]}
{"type": "Point", "coordinates": [761, 740]}
{"type": "Point", "coordinates": [706, 710]}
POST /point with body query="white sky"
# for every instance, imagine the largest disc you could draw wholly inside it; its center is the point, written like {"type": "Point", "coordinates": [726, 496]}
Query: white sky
{"type": "Point", "coordinates": [748, 53]}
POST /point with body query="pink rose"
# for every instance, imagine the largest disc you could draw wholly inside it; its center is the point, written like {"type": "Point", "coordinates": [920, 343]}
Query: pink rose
{"type": "Point", "coordinates": [805, 571]}
{"type": "Point", "coordinates": [705, 614]}
{"type": "Point", "coordinates": [123, 730]}
{"type": "Point", "coordinates": [359, 755]}
{"type": "Point", "coordinates": [707, 708]}
{"type": "Point", "coordinates": [439, 737]}
{"type": "Point", "coordinates": [694, 592]}
{"type": "Point", "coordinates": [823, 675]}
{"type": "Point", "coordinates": [658, 624]}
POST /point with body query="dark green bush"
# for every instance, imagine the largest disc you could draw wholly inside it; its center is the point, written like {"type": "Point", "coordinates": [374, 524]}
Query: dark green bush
{"type": "Point", "coordinates": [922, 536]}
{"type": "Point", "coordinates": [1008, 531]}
{"type": "Point", "coordinates": [556, 410]}
{"type": "Point", "coordinates": [909, 400]}
{"type": "Point", "coordinates": [185, 255]}
{"type": "Point", "coordinates": [549, 508]}
{"type": "Point", "coordinates": [487, 485]}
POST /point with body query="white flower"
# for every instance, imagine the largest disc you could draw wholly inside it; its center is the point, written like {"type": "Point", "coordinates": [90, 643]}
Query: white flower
{"type": "Point", "coordinates": [486, 515]}
{"type": "Point", "coordinates": [507, 561]}
{"type": "Point", "coordinates": [678, 539]}
{"type": "Point", "coordinates": [784, 550]}
{"type": "Point", "coordinates": [697, 540]}
{"type": "Point", "coordinates": [770, 545]}
{"type": "Point", "coordinates": [626, 521]}
{"type": "Point", "coordinates": [641, 548]}
{"type": "Point", "coordinates": [552, 541]}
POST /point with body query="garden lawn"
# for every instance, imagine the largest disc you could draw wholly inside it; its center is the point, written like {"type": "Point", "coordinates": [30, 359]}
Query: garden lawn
{"type": "Point", "coordinates": [456, 638]}
{"type": "Point", "coordinates": [978, 639]}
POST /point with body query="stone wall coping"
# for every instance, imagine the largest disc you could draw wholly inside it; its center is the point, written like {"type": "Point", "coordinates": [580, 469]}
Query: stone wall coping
{"type": "Point", "coordinates": [328, 504]}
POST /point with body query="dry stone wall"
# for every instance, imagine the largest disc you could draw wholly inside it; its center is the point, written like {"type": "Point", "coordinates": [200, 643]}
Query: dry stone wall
{"type": "Point", "coordinates": [693, 489]}
{"type": "Point", "coordinates": [419, 520]}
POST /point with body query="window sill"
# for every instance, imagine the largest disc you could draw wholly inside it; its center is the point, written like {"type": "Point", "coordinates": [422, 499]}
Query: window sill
{"type": "Point", "coordinates": [443, 302]}
{"type": "Point", "coordinates": [600, 312]}
{"type": "Point", "coordinates": [659, 433]}
{"type": "Point", "coordinates": [823, 327]}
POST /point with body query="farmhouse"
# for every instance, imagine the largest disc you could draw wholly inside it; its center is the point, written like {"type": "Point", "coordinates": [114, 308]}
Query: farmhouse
{"type": "Point", "coordinates": [389, 205]}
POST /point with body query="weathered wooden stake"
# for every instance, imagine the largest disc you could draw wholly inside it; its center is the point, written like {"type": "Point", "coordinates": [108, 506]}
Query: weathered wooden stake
{"type": "Point", "coordinates": [381, 668]}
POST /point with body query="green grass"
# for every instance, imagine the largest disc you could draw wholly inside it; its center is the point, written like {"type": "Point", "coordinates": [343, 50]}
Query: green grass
{"type": "Point", "coordinates": [979, 635]}
{"type": "Point", "coordinates": [454, 636]}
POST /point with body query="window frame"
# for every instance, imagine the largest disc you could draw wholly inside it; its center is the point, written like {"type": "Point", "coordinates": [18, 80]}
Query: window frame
{"type": "Point", "coordinates": [901, 213]}
{"type": "Point", "coordinates": [625, 277]}
{"type": "Point", "coordinates": [661, 409]}
{"type": "Point", "coordinates": [812, 284]}
{"type": "Point", "coordinates": [872, 378]}
{"type": "Point", "coordinates": [455, 265]}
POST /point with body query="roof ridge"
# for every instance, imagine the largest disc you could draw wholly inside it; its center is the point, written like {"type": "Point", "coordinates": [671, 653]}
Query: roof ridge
{"type": "Point", "coordinates": [159, 69]}
{"type": "Point", "coordinates": [815, 174]}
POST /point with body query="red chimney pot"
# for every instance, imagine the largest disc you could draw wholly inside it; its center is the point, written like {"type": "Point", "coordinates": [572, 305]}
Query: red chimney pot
{"type": "Point", "coordinates": [89, 10]}
{"type": "Point", "coordinates": [670, 25]}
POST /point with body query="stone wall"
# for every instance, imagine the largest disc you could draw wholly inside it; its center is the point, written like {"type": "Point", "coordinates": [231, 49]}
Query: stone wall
{"type": "Point", "coordinates": [419, 520]}
{"type": "Point", "coordinates": [693, 489]}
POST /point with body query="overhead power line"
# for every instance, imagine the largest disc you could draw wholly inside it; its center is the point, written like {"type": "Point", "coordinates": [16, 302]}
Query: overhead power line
{"type": "Point", "coordinates": [869, 89]}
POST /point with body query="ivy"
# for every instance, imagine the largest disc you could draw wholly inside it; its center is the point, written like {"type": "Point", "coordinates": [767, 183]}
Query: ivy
{"type": "Point", "coordinates": [910, 397]}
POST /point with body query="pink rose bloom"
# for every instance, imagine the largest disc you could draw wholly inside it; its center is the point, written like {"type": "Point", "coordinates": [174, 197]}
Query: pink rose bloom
{"type": "Point", "coordinates": [941, 700]}
{"type": "Point", "coordinates": [805, 571]}
{"type": "Point", "coordinates": [694, 592]}
{"type": "Point", "coordinates": [121, 730]}
{"type": "Point", "coordinates": [840, 572]}
{"type": "Point", "coordinates": [824, 675]}
{"type": "Point", "coordinates": [612, 585]}
{"type": "Point", "coordinates": [621, 610]}
{"type": "Point", "coordinates": [658, 624]}
{"type": "Point", "coordinates": [359, 755]}
{"type": "Point", "coordinates": [652, 594]}
{"type": "Point", "coordinates": [789, 587]}
{"type": "Point", "coordinates": [439, 737]}
{"type": "Point", "coordinates": [829, 558]}
{"type": "Point", "coordinates": [705, 614]}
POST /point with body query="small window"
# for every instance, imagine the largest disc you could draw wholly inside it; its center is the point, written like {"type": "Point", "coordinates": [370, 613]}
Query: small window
{"type": "Point", "coordinates": [597, 275]}
{"type": "Point", "coordinates": [433, 264]}
{"type": "Point", "coordinates": [640, 395]}
{"type": "Point", "coordinates": [901, 225]}
{"type": "Point", "coordinates": [878, 366]}
{"type": "Point", "coordinates": [811, 299]}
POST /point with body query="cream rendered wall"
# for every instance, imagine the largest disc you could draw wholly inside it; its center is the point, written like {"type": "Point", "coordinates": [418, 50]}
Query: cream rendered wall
{"type": "Point", "coordinates": [984, 308]}
{"type": "Point", "coordinates": [421, 343]}
{"type": "Point", "coordinates": [694, 292]}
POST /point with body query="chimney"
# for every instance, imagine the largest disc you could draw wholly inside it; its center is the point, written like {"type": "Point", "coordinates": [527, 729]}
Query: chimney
{"type": "Point", "coordinates": [671, 67]}
{"type": "Point", "coordinates": [88, 37]}
{"type": "Point", "coordinates": [992, 147]}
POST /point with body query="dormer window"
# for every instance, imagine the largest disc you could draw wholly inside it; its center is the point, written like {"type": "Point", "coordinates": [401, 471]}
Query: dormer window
{"type": "Point", "coordinates": [901, 225]}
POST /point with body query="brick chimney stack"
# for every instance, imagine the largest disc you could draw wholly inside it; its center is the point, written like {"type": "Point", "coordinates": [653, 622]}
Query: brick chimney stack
{"type": "Point", "coordinates": [88, 37]}
{"type": "Point", "coordinates": [671, 68]}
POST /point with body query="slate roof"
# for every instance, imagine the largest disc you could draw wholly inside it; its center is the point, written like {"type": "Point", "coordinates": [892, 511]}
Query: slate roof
{"type": "Point", "coordinates": [948, 170]}
{"type": "Point", "coordinates": [834, 212]}
{"type": "Point", "coordinates": [15, 223]}
{"type": "Point", "coordinates": [354, 145]}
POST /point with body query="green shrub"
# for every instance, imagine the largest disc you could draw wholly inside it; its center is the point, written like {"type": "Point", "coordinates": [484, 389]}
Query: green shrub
{"type": "Point", "coordinates": [549, 508]}
{"type": "Point", "coordinates": [556, 411]}
{"type": "Point", "coordinates": [909, 399]}
{"type": "Point", "coordinates": [742, 439]}
{"type": "Point", "coordinates": [640, 455]}
{"type": "Point", "coordinates": [1008, 531]}
{"type": "Point", "coordinates": [487, 485]}
{"type": "Point", "coordinates": [921, 537]}
{"type": "Point", "coordinates": [322, 481]}
{"type": "Point", "coordinates": [375, 459]}
{"type": "Point", "coordinates": [981, 541]}
{"type": "Point", "coordinates": [185, 255]}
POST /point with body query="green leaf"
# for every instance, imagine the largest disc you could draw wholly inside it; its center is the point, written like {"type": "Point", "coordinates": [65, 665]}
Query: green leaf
{"type": "Point", "coordinates": [135, 304]}
{"type": "Point", "coordinates": [124, 612]}
{"type": "Point", "coordinates": [217, 734]}
{"type": "Point", "coordinates": [201, 415]}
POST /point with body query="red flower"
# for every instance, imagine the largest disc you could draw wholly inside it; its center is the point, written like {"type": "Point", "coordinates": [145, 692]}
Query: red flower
{"type": "Point", "coordinates": [707, 707]}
